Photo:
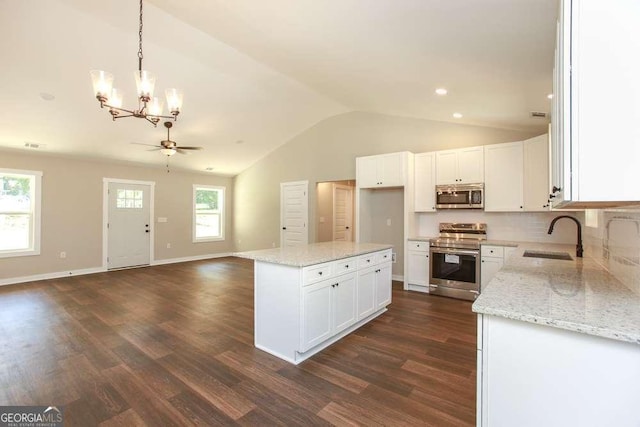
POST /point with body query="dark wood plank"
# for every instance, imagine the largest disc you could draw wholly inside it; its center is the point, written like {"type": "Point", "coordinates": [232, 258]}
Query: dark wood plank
{"type": "Point", "coordinates": [173, 345]}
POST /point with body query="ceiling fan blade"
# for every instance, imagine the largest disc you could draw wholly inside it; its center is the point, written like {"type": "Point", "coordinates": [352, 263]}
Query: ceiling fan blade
{"type": "Point", "coordinates": [190, 148]}
{"type": "Point", "coordinates": [155, 149]}
{"type": "Point", "coordinates": [181, 151]}
{"type": "Point", "coordinates": [141, 143]}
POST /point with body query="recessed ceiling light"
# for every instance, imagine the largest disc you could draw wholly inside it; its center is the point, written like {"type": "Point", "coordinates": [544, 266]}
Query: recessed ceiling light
{"type": "Point", "coordinates": [441, 91]}
{"type": "Point", "coordinates": [457, 115]}
{"type": "Point", "coordinates": [550, 96]}
{"type": "Point", "coordinates": [47, 96]}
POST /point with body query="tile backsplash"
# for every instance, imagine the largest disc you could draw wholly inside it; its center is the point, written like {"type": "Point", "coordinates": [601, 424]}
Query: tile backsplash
{"type": "Point", "coordinates": [612, 237]}
{"type": "Point", "coordinates": [515, 226]}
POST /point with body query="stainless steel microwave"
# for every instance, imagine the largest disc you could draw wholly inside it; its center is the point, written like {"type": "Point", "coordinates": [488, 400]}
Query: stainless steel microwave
{"type": "Point", "coordinates": [460, 196]}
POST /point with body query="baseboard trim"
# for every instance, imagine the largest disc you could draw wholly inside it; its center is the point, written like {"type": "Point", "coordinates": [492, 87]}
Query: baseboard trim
{"type": "Point", "coordinates": [84, 271]}
{"type": "Point", "coordinates": [190, 258]}
{"type": "Point", "coordinates": [398, 277]}
{"type": "Point", "coordinates": [54, 275]}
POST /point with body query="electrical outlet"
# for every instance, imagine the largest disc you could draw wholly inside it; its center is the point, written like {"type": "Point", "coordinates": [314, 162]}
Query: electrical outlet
{"type": "Point", "coordinates": [393, 257]}
{"type": "Point", "coordinates": [389, 222]}
{"type": "Point", "coordinates": [168, 245]}
{"type": "Point", "coordinates": [63, 255]}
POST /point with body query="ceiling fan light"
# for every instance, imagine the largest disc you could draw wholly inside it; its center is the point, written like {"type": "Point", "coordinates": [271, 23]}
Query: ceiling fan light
{"type": "Point", "coordinates": [168, 151]}
{"type": "Point", "coordinates": [155, 107]}
{"type": "Point", "coordinates": [174, 100]}
{"type": "Point", "coordinates": [145, 83]}
{"type": "Point", "coordinates": [102, 84]}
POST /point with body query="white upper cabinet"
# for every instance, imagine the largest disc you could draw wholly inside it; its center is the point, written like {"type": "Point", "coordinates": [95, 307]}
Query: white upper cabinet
{"type": "Point", "coordinates": [385, 170]}
{"type": "Point", "coordinates": [461, 166]}
{"type": "Point", "coordinates": [596, 112]}
{"type": "Point", "coordinates": [536, 173]}
{"type": "Point", "coordinates": [424, 184]}
{"type": "Point", "coordinates": [503, 177]}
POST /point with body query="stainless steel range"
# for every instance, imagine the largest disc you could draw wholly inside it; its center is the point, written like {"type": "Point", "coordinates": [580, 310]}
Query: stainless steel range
{"type": "Point", "coordinates": [454, 269]}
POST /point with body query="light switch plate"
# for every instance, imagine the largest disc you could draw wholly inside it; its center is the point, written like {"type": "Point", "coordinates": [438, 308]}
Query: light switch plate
{"type": "Point", "coordinates": [162, 219]}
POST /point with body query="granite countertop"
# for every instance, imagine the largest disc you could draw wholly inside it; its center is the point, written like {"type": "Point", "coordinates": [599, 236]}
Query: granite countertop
{"type": "Point", "coordinates": [578, 295]}
{"type": "Point", "coordinates": [315, 253]}
{"type": "Point", "coordinates": [420, 239]}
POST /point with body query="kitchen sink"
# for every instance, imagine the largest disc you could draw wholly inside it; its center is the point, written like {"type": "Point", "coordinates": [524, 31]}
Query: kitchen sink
{"type": "Point", "coordinates": [547, 255]}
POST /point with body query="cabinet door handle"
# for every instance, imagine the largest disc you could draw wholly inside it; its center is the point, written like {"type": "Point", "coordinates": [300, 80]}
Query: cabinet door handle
{"type": "Point", "coordinates": [556, 189]}
{"type": "Point", "coordinates": [320, 273]}
{"type": "Point", "coordinates": [284, 228]}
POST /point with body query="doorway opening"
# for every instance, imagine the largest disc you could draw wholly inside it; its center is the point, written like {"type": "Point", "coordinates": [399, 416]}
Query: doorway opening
{"type": "Point", "coordinates": [335, 207]}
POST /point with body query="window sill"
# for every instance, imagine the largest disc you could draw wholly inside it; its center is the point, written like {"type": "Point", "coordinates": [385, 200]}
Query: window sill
{"type": "Point", "coordinates": [209, 239]}
{"type": "Point", "coordinates": [25, 252]}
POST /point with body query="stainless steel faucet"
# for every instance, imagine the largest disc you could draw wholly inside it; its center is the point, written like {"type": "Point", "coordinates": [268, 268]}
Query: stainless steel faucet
{"type": "Point", "coordinates": [579, 248]}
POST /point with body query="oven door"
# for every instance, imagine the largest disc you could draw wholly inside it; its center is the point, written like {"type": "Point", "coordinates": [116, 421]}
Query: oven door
{"type": "Point", "coordinates": [455, 268]}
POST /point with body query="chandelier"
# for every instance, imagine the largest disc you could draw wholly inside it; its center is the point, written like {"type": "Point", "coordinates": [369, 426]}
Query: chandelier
{"type": "Point", "coordinates": [149, 107]}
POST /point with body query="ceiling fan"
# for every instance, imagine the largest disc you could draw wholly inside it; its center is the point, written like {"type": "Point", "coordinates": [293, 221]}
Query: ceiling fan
{"type": "Point", "coordinates": [167, 146]}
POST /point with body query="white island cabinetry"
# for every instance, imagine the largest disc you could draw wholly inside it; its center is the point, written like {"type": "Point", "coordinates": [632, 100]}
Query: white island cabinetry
{"type": "Point", "coordinates": [308, 297]}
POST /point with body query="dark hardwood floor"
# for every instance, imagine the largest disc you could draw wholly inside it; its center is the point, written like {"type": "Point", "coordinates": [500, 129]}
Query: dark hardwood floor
{"type": "Point", "coordinates": [173, 345]}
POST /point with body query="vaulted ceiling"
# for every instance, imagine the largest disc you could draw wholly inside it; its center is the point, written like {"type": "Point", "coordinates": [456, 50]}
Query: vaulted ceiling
{"type": "Point", "coordinates": [257, 73]}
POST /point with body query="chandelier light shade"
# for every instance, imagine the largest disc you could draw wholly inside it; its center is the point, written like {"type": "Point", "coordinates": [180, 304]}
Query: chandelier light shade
{"type": "Point", "coordinates": [149, 108]}
{"type": "Point", "coordinates": [168, 151]}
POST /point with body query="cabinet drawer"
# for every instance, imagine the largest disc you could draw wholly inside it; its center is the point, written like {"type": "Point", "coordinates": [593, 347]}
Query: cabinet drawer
{"type": "Point", "coordinates": [318, 272]}
{"type": "Point", "coordinates": [383, 256]}
{"type": "Point", "coordinates": [345, 265]}
{"type": "Point", "coordinates": [492, 251]}
{"type": "Point", "coordinates": [418, 246]}
{"type": "Point", "coordinates": [366, 260]}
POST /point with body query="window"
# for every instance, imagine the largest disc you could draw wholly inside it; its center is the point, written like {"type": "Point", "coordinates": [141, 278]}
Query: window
{"type": "Point", "coordinates": [19, 212]}
{"type": "Point", "coordinates": [129, 199]}
{"type": "Point", "coordinates": [208, 213]}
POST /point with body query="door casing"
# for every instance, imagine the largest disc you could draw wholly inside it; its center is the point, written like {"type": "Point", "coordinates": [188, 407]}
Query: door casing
{"type": "Point", "coordinates": [105, 215]}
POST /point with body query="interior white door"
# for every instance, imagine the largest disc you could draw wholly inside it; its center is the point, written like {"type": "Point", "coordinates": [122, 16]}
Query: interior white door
{"type": "Point", "coordinates": [294, 213]}
{"type": "Point", "coordinates": [342, 213]}
{"type": "Point", "coordinates": [128, 225]}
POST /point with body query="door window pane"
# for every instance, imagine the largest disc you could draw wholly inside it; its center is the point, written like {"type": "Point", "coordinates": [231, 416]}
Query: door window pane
{"type": "Point", "coordinates": [129, 199]}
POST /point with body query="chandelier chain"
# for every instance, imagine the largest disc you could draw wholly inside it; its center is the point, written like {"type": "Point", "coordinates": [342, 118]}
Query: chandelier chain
{"type": "Point", "coordinates": [140, 56]}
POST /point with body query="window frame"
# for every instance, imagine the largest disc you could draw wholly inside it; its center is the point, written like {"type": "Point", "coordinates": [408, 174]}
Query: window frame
{"type": "Point", "coordinates": [35, 232]}
{"type": "Point", "coordinates": [222, 206]}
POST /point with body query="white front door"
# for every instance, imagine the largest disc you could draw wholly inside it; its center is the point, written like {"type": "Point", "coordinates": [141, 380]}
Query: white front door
{"type": "Point", "coordinates": [294, 207]}
{"type": "Point", "coordinates": [128, 225]}
{"type": "Point", "coordinates": [342, 213]}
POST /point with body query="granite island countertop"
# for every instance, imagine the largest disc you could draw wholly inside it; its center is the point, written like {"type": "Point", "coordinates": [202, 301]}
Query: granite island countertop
{"type": "Point", "coordinates": [578, 295]}
{"type": "Point", "coordinates": [315, 253]}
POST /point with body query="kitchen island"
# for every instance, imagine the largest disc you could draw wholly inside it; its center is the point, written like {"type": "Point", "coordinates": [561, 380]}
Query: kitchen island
{"type": "Point", "coordinates": [308, 297]}
{"type": "Point", "coordinates": [558, 344]}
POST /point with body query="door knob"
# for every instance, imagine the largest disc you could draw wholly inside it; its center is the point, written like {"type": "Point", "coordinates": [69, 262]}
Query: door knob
{"type": "Point", "coordinates": [284, 228]}
{"type": "Point", "coordinates": [146, 231]}
{"type": "Point", "coordinates": [347, 228]}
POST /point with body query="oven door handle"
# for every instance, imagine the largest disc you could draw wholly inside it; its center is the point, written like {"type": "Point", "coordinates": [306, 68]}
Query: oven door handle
{"type": "Point", "coordinates": [454, 251]}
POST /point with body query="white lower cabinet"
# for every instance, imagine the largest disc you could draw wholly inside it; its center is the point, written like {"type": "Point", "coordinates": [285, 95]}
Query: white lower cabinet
{"type": "Point", "coordinates": [532, 375]}
{"type": "Point", "coordinates": [383, 288]}
{"type": "Point", "coordinates": [492, 260]}
{"type": "Point", "coordinates": [329, 307]}
{"type": "Point", "coordinates": [418, 265]}
{"type": "Point", "coordinates": [301, 310]}
{"type": "Point", "coordinates": [366, 285]}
